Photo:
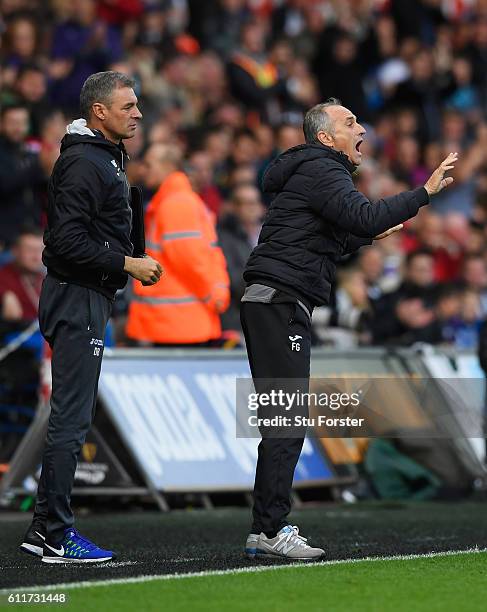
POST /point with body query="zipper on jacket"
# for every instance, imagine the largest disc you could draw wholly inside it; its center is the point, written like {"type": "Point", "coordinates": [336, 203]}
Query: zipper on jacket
{"type": "Point", "coordinates": [293, 314]}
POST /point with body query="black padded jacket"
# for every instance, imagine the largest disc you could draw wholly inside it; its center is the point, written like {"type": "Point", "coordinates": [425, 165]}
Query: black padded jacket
{"type": "Point", "coordinates": [317, 217]}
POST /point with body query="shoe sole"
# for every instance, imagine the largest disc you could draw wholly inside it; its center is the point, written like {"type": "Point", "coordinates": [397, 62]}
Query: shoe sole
{"type": "Point", "coordinates": [264, 553]}
{"type": "Point", "coordinates": [31, 549]}
{"type": "Point", "coordinates": [65, 560]}
{"type": "Point", "coordinates": [253, 553]}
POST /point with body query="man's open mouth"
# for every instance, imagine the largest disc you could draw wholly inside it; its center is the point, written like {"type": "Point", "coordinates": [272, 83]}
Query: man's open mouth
{"type": "Point", "coordinates": [357, 146]}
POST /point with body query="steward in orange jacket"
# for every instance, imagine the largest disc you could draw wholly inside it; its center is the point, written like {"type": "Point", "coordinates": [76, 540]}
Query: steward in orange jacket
{"type": "Point", "coordinates": [184, 307]}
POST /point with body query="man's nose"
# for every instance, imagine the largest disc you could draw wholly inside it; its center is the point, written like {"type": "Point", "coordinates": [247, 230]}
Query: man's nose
{"type": "Point", "coordinates": [137, 114]}
{"type": "Point", "coordinates": [361, 130]}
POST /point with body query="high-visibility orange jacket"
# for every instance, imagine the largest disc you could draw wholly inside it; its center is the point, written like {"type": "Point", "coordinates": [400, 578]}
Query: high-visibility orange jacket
{"type": "Point", "coordinates": [180, 234]}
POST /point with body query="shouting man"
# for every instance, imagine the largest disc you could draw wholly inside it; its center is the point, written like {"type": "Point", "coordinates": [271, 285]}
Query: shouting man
{"type": "Point", "coordinates": [317, 216]}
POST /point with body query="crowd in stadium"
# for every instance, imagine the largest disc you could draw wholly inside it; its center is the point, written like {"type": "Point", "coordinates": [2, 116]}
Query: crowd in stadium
{"type": "Point", "coordinates": [223, 85]}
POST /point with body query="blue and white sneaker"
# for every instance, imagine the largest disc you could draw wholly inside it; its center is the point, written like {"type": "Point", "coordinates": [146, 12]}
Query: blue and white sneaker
{"type": "Point", "coordinates": [287, 544]}
{"type": "Point", "coordinates": [74, 548]}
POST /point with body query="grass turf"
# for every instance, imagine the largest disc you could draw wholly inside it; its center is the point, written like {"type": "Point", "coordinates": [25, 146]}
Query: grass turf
{"type": "Point", "coordinates": [454, 582]}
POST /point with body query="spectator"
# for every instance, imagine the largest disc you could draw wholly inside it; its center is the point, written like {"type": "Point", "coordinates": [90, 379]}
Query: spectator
{"type": "Point", "coordinates": [421, 92]}
{"type": "Point", "coordinates": [244, 149]}
{"type": "Point", "coordinates": [466, 333]}
{"type": "Point", "coordinates": [448, 311]}
{"type": "Point", "coordinates": [185, 306]}
{"type": "Point", "coordinates": [474, 275]}
{"type": "Point", "coordinates": [477, 53]}
{"type": "Point", "coordinates": [168, 93]}
{"type": "Point", "coordinates": [431, 235]}
{"type": "Point", "coordinates": [462, 94]}
{"type": "Point", "coordinates": [410, 307]}
{"type": "Point", "coordinates": [20, 285]}
{"type": "Point", "coordinates": [161, 132]}
{"type": "Point", "coordinates": [22, 44]}
{"type": "Point", "coordinates": [344, 323]}
{"type": "Point", "coordinates": [212, 82]}
{"type": "Point", "coordinates": [253, 78]}
{"type": "Point", "coordinates": [341, 77]}
{"type": "Point", "coordinates": [476, 238]}
{"type": "Point", "coordinates": [473, 157]}
{"type": "Point", "coordinates": [81, 45]}
{"type": "Point", "coordinates": [288, 136]}
{"type": "Point", "coordinates": [200, 173]}
{"type": "Point", "coordinates": [265, 141]}
{"type": "Point", "coordinates": [238, 232]}
{"type": "Point", "coordinates": [419, 277]}
{"type": "Point", "coordinates": [352, 304]}
{"type": "Point", "coordinates": [371, 265]}
{"type": "Point", "coordinates": [407, 167]}
{"type": "Point", "coordinates": [23, 174]}
{"type": "Point", "coordinates": [221, 30]}
{"type": "Point", "coordinates": [31, 87]}
{"type": "Point", "coordinates": [244, 174]}
{"type": "Point", "coordinates": [21, 279]}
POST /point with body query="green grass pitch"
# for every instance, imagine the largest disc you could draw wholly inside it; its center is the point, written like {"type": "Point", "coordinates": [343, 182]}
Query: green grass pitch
{"type": "Point", "coordinates": [454, 582]}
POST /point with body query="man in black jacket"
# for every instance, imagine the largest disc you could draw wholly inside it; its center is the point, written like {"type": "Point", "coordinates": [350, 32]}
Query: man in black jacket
{"type": "Point", "coordinates": [316, 217]}
{"type": "Point", "coordinates": [88, 252]}
{"type": "Point", "coordinates": [23, 175]}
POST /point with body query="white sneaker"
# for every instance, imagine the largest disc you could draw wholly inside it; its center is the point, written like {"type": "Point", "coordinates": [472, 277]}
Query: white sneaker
{"type": "Point", "coordinates": [287, 544]}
{"type": "Point", "coordinates": [251, 545]}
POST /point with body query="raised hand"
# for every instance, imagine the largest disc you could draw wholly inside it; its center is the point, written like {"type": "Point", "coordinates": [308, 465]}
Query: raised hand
{"type": "Point", "coordinates": [437, 180]}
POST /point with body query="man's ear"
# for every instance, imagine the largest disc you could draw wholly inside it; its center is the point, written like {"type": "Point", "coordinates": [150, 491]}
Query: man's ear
{"type": "Point", "coordinates": [99, 110]}
{"type": "Point", "coordinates": [325, 138]}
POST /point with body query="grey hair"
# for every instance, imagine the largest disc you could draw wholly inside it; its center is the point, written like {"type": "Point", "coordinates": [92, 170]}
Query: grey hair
{"type": "Point", "coordinates": [318, 120]}
{"type": "Point", "coordinates": [99, 87]}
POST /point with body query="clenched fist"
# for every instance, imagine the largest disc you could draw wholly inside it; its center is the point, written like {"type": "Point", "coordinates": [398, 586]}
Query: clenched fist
{"type": "Point", "coordinates": [145, 269]}
{"type": "Point", "coordinates": [436, 181]}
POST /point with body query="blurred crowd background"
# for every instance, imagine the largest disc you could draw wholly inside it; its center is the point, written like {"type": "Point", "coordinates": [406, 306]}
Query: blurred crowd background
{"type": "Point", "coordinates": [225, 83]}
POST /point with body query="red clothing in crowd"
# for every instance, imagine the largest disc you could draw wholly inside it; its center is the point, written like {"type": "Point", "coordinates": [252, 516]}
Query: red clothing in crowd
{"type": "Point", "coordinates": [27, 288]}
{"type": "Point", "coordinates": [447, 263]}
{"type": "Point", "coordinates": [212, 198]}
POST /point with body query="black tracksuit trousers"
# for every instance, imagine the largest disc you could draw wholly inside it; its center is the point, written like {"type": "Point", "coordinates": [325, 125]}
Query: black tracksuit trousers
{"type": "Point", "coordinates": [73, 321]}
{"type": "Point", "coordinates": [268, 329]}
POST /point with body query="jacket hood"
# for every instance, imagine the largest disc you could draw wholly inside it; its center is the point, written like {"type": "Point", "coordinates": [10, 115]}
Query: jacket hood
{"type": "Point", "coordinates": [78, 132]}
{"type": "Point", "coordinates": [78, 126]}
{"type": "Point", "coordinates": [283, 167]}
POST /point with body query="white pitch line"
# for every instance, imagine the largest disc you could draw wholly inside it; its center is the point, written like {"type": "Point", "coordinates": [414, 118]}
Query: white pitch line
{"type": "Point", "coordinates": [239, 570]}
{"type": "Point", "coordinates": [75, 566]}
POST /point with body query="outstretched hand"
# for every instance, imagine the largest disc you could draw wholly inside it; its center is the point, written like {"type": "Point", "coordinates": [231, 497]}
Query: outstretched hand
{"type": "Point", "coordinates": [437, 180]}
{"type": "Point", "coordinates": [388, 232]}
